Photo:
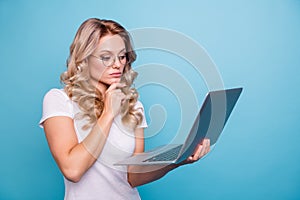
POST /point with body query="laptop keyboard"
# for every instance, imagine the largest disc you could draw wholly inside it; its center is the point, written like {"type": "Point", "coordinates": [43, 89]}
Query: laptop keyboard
{"type": "Point", "coordinates": [166, 156]}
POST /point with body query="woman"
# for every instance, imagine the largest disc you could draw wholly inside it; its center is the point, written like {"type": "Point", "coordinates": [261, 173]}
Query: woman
{"type": "Point", "coordinates": [96, 119]}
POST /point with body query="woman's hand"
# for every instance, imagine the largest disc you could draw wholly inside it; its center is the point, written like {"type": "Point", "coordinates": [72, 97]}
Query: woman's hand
{"type": "Point", "coordinates": [201, 150]}
{"type": "Point", "coordinates": [113, 99]}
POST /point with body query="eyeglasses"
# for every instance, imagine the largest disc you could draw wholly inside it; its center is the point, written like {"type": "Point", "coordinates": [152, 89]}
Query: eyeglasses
{"type": "Point", "coordinates": [109, 59]}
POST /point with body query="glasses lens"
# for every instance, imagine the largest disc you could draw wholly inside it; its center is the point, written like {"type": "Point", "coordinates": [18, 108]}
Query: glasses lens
{"type": "Point", "coordinates": [109, 60]}
{"type": "Point", "coordinates": [123, 59]}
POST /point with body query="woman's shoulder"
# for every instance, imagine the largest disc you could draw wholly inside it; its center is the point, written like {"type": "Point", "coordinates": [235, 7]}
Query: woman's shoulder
{"type": "Point", "coordinates": [56, 92]}
{"type": "Point", "coordinates": [56, 103]}
{"type": "Point", "coordinates": [56, 95]}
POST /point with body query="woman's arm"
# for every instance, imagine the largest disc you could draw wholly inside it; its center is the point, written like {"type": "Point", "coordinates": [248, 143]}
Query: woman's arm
{"type": "Point", "coordinates": [139, 175]}
{"type": "Point", "coordinates": [73, 158]}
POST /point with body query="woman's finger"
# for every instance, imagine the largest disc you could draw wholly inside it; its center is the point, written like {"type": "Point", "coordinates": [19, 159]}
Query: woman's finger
{"type": "Point", "coordinates": [208, 146]}
{"type": "Point", "coordinates": [115, 86]}
{"type": "Point", "coordinates": [201, 151]}
{"type": "Point", "coordinates": [205, 149]}
{"type": "Point", "coordinates": [198, 149]}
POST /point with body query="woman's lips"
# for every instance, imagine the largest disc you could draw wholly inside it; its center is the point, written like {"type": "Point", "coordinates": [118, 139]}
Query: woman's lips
{"type": "Point", "coordinates": [116, 75]}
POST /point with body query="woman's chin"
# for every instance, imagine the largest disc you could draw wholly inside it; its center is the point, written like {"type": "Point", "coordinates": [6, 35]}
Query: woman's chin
{"type": "Point", "coordinates": [110, 81]}
{"type": "Point", "coordinates": [115, 80]}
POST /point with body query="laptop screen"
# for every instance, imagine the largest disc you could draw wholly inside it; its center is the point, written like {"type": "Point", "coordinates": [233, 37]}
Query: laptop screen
{"type": "Point", "coordinates": [211, 119]}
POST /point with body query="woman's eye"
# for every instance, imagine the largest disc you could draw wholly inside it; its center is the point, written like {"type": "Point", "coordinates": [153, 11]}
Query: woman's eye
{"type": "Point", "coordinates": [105, 58]}
{"type": "Point", "coordinates": [122, 57]}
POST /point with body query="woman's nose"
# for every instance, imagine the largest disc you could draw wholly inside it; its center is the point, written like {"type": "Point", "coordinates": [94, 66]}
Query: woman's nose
{"type": "Point", "coordinates": [117, 64]}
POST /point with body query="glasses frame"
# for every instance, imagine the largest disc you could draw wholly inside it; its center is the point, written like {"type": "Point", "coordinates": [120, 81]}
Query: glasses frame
{"type": "Point", "coordinates": [113, 61]}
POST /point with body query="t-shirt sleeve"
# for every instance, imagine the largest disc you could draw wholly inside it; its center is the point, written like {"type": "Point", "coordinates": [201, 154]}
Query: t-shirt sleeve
{"type": "Point", "coordinates": [56, 103]}
{"type": "Point", "coordinates": [140, 107]}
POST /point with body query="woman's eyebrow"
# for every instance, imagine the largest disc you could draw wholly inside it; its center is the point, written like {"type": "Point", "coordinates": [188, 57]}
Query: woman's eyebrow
{"type": "Point", "coordinates": [124, 49]}
{"type": "Point", "coordinates": [108, 51]}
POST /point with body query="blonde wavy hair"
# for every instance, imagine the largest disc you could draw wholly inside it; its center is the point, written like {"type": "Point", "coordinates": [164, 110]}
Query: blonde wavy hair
{"type": "Point", "coordinates": [77, 79]}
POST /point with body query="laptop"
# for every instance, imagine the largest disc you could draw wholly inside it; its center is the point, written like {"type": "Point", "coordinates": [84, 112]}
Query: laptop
{"type": "Point", "coordinates": [208, 123]}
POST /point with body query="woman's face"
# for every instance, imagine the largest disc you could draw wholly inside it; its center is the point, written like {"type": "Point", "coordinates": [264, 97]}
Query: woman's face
{"type": "Point", "coordinates": [106, 64]}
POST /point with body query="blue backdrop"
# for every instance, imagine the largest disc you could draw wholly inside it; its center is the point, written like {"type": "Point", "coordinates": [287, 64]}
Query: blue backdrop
{"type": "Point", "coordinates": [254, 44]}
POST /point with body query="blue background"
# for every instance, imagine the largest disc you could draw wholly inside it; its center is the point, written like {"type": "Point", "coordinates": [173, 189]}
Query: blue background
{"type": "Point", "coordinates": [255, 44]}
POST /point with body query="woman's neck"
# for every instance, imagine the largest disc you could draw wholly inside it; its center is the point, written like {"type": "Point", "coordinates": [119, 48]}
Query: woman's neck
{"type": "Point", "coordinates": [101, 87]}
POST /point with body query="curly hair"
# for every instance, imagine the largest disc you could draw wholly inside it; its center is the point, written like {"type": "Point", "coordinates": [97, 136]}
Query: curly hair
{"type": "Point", "coordinates": [76, 77]}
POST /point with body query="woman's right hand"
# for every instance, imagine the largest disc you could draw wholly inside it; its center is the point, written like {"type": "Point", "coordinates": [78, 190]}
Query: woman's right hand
{"type": "Point", "coordinates": [113, 99]}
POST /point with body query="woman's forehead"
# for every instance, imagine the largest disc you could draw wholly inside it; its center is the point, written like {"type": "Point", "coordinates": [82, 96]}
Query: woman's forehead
{"type": "Point", "coordinates": [111, 43]}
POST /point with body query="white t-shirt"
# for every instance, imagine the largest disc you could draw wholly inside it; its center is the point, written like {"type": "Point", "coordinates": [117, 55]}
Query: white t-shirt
{"type": "Point", "coordinates": [103, 180]}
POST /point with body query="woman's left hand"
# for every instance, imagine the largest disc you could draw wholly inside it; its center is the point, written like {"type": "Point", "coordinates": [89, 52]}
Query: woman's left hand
{"type": "Point", "coordinates": [201, 150]}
